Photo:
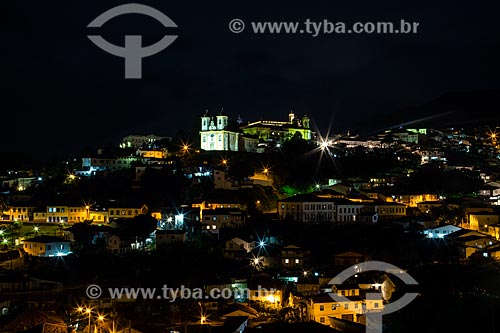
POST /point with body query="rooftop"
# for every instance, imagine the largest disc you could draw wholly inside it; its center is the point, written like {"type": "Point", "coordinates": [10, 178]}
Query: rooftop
{"type": "Point", "coordinates": [46, 239]}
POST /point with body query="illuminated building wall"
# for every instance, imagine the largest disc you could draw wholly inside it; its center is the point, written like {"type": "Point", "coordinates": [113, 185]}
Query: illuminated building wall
{"type": "Point", "coordinates": [21, 214]}
{"type": "Point", "coordinates": [215, 136]}
{"type": "Point", "coordinates": [136, 141]}
{"type": "Point", "coordinates": [126, 212]}
{"type": "Point", "coordinates": [279, 131]}
{"type": "Point", "coordinates": [46, 246]}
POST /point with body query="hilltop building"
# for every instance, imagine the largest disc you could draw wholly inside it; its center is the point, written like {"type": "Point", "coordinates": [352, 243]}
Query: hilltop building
{"type": "Point", "coordinates": [217, 135]}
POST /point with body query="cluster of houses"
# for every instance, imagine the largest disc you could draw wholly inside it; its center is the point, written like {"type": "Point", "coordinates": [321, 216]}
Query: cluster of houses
{"type": "Point", "coordinates": [309, 294]}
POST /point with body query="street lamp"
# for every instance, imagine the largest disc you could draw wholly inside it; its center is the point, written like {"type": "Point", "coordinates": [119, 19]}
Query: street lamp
{"type": "Point", "coordinates": [203, 318]}
{"type": "Point", "coordinates": [323, 145]}
{"type": "Point", "coordinates": [100, 319]}
{"type": "Point", "coordinates": [185, 147]}
{"type": "Point", "coordinates": [89, 312]}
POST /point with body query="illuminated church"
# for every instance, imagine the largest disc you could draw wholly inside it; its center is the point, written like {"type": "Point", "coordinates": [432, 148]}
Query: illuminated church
{"type": "Point", "coordinates": [280, 131]}
{"type": "Point", "coordinates": [215, 135]}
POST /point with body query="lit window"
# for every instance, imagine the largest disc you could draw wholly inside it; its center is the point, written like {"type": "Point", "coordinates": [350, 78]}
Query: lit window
{"type": "Point", "coordinates": [214, 226]}
{"type": "Point", "coordinates": [297, 261]}
{"type": "Point", "coordinates": [287, 261]}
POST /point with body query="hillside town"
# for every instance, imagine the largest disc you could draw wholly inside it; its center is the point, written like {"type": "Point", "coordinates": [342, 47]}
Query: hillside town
{"type": "Point", "coordinates": [271, 210]}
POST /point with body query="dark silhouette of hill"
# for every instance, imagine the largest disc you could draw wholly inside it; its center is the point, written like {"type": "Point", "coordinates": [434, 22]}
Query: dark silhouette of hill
{"type": "Point", "coordinates": [453, 109]}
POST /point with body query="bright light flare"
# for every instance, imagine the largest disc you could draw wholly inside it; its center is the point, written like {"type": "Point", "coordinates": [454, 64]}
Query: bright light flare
{"type": "Point", "coordinates": [324, 145]}
{"type": "Point", "coordinates": [185, 147]}
{"type": "Point", "coordinates": [257, 262]}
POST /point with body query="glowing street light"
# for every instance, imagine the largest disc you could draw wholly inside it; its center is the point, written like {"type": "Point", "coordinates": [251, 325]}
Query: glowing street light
{"type": "Point", "coordinates": [185, 147]}
{"type": "Point", "coordinates": [256, 262]}
{"type": "Point", "coordinates": [36, 228]}
{"type": "Point", "coordinates": [203, 317]}
{"type": "Point", "coordinates": [89, 312]}
{"type": "Point", "coordinates": [492, 135]}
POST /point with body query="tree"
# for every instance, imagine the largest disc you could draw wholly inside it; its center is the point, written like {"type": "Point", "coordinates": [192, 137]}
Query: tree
{"type": "Point", "coordinates": [137, 228]}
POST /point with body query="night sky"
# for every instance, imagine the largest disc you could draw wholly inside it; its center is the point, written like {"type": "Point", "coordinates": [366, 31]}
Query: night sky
{"type": "Point", "coordinates": [61, 92]}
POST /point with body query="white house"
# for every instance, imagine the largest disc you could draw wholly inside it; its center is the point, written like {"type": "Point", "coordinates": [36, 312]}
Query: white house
{"type": "Point", "coordinates": [440, 232]}
{"type": "Point", "coordinates": [46, 246]}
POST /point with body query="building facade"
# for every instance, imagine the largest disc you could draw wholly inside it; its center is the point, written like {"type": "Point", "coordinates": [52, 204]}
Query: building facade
{"type": "Point", "coordinates": [215, 135]}
{"type": "Point", "coordinates": [46, 246]}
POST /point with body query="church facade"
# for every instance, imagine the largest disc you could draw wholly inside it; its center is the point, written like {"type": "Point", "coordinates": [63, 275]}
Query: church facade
{"type": "Point", "coordinates": [215, 135]}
